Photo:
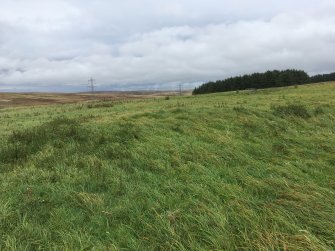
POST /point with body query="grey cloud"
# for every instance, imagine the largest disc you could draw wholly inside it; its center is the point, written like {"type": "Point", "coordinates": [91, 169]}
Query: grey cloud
{"type": "Point", "coordinates": [158, 44]}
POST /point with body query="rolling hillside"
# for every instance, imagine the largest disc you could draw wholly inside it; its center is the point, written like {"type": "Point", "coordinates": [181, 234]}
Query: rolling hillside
{"type": "Point", "coordinates": [227, 171]}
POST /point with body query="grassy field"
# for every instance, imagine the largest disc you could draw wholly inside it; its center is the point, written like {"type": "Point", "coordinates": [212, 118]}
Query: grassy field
{"type": "Point", "coordinates": [232, 171]}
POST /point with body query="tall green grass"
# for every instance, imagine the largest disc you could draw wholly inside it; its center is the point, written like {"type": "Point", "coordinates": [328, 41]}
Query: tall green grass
{"type": "Point", "coordinates": [233, 171]}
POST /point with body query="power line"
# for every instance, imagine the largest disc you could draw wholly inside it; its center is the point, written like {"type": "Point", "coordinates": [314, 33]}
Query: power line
{"type": "Point", "coordinates": [180, 89]}
{"type": "Point", "coordinates": [91, 83]}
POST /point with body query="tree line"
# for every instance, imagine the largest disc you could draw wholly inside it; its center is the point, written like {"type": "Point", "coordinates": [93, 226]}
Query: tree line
{"type": "Point", "coordinates": [262, 80]}
{"type": "Point", "coordinates": [323, 78]}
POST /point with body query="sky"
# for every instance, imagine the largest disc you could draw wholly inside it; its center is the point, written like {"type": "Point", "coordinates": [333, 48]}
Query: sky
{"type": "Point", "coordinates": [57, 45]}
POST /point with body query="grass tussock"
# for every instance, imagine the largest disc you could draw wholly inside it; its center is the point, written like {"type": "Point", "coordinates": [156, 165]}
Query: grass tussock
{"type": "Point", "coordinates": [97, 105]}
{"type": "Point", "coordinates": [23, 143]}
{"type": "Point", "coordinates": [292, 110]}
{"type": "Point", "coordinates": [212, 172]}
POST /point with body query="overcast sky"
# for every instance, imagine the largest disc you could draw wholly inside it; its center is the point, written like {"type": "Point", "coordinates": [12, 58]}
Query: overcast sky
{"type": "Point", "coordinates": [57, 45]}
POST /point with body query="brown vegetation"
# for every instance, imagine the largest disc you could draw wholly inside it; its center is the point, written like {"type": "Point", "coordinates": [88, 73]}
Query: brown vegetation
{"type": "Point", "coordinates": [32, 99]}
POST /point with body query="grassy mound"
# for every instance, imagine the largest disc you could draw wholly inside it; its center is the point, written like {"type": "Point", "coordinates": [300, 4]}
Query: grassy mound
{"type": "Point", "coordinates": [252, 171]}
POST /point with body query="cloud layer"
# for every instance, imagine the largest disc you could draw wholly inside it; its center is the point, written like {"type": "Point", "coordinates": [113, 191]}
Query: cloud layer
{"type": "Point", "coordinates": [58, 45]}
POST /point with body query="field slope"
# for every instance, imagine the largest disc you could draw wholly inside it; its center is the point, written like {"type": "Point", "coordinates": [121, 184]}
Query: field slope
{"type": "Point", "coordinates": [232, 171]}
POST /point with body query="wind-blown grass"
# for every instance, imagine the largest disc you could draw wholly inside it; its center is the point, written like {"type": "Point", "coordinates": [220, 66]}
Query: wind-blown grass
{"type": "Point", "coordinates": [233, 171]}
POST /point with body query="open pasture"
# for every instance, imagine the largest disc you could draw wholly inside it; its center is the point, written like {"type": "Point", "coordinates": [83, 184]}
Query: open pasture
{"type": "Point", "coordinates": [227, 171]}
